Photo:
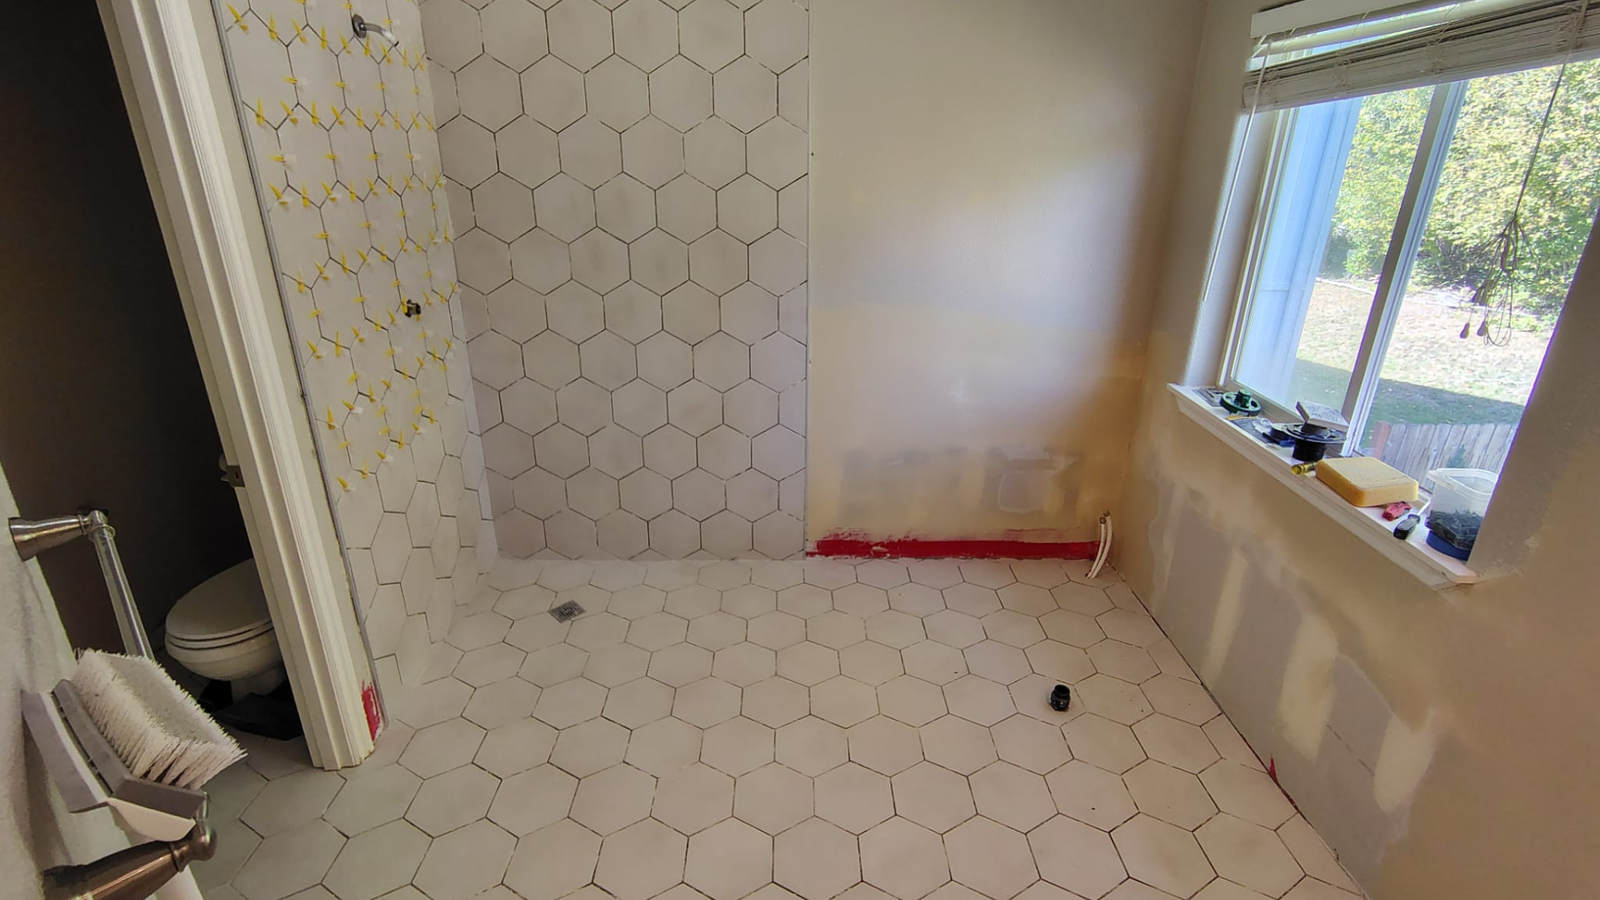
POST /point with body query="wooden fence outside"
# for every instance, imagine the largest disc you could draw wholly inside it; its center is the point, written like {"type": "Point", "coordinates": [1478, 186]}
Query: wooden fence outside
{"type": "Point", "coordinates": [1414, 449]}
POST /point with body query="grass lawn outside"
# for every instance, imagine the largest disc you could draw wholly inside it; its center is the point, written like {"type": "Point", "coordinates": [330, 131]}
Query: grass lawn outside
{"type": "Point", "coordinates": [1430, 373]}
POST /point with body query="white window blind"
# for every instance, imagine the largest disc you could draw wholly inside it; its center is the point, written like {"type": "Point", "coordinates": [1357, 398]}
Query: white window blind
{"type": "Point", "coordinates": [1414, 47]}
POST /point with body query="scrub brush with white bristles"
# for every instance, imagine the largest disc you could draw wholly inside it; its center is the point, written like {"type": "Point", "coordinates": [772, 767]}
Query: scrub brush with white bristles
{"type": "Point", "coordinates": [157, 729]}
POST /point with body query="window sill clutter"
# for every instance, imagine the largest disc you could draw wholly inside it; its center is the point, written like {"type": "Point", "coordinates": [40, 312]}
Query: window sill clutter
{"type": "Point", "coordinates": [1427, 565]}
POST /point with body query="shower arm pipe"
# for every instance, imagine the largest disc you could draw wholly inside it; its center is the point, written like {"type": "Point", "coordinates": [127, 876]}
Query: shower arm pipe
{"type": "Point", "coordinates": [34, 536]}
{"type": "Point", "coordinates": [363, 28]}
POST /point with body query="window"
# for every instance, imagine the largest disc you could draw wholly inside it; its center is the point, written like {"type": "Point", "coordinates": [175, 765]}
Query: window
{"type": "Point", "coordinates": [1376, 226]}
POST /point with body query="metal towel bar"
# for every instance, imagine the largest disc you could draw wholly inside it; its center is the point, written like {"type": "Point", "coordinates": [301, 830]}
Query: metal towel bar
{"type": "Point", "coordinates": [34, 536]}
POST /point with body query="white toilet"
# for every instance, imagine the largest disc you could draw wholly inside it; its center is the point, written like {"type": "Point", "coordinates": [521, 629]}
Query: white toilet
{"type": "Point", "coordinates": [222, 630]}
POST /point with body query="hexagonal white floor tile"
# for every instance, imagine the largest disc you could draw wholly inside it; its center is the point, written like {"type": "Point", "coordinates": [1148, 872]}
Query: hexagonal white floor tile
{"type": "Point", "coordinates": [381, 860]}
{"type": "Point", "coordinates": [553, 861]}
{"type": "Point", "coordinates": [933, 797]}
{"type": "Point", "coordinates": [729, 860]}
{"type": "Point", "coordinates": [693, 798]}
{"type": "Point", "coordinates": [1077, 857]}
{"type": "Point", "coordinates": [990, 858]}
{"type": "Point", "coordinates": [1162, 856]}
{"type": "Point", "coordinates": [885, 745]}
{"type": "Point", "coordinates": [641, 861]}
{"type": "Point", "coordinates": [957, 744]}
{"type": "Point", "coordinates": [816, 860]}
{"type": "Point", "coordinates": [613, 799]}
{"type": "Point", "coordinates": [1171, 795]}
{"type": "Point", "coordinates": [737, 746]}
{"type": "Point", "coordinates": [664, 746]}
{"type": "Point", "coordinates": [903, 859]}
{"type": "Point", "coordinates": [587, 748]}
{"type": "Point", "coordinates": [466, 862]}
{"type": "Point", "coordinates": [772, 798]}
{"type": "Point", "coordinates": [448, 801]}
{"type": "Point", "coordinates": [1091, 795]}
{"type": "Point", "coordinates": [1248, 854]}
{"type": "Point", "coordinates": [811, 746]}
{"type": "Point", "coordinates": [854, 798]}
{"type": "Point", "coordinates": [289, 861]}
{"type": "Point", "coordinates": [1012, 796]}
{"type": "Point", "coordinates": [531, 800]}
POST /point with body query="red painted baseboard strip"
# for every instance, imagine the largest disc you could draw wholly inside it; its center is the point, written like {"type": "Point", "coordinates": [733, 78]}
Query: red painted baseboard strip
{"type": "Point", "coordinates": [858, 545]}
{"type": "Point", "coordinates": [369, 702]}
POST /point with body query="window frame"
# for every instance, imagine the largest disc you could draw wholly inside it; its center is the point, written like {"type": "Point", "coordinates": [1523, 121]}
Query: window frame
{"type": "Point", "coordinates": [1427, 168]}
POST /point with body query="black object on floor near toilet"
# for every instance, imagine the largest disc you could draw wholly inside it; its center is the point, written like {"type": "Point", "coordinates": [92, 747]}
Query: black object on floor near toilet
{"type": "Point", "coordinates": [271, 715]}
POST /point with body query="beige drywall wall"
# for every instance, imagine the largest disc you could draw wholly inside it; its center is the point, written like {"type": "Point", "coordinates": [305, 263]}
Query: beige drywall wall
{"type": "Point", "coordinates": [990, 187]}
{"type": "Point", "coordinates": [1442, 742]}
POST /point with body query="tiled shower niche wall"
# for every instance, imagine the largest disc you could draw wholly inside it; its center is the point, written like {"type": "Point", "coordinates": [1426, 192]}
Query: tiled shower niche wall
{"type": "Point", "coordinates": [629, 180]}
{"type": "Point", "coordinates": [341, 134]}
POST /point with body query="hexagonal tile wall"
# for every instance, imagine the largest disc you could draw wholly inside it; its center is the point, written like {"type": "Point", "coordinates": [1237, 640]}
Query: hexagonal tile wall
{"type": "Point", "coordinates": [730, 730]}
{"type": "Point", "coordinates": [350, 144]}
{"type": "Point", "coordinates": [636, 174]}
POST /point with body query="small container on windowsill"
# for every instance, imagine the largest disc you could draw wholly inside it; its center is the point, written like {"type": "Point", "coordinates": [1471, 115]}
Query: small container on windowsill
{"type": "Point", "coordinates": [1460, 499]}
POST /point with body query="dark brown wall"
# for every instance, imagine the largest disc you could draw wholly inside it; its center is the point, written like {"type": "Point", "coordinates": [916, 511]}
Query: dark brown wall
{"type": "Point", "coordinates": [101, 398]}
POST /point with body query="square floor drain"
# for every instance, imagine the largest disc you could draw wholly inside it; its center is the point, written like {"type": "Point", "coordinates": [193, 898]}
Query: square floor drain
{"type": "Point", "coordinates": [567, 611]}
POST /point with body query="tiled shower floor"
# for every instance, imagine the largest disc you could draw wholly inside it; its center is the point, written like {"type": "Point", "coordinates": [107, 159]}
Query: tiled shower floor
{"type": "Point", "coordinates": [717, 731]}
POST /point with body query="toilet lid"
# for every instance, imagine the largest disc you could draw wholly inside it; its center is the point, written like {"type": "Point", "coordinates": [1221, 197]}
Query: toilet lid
{"type": "Point", "coordinates": [229, 604]}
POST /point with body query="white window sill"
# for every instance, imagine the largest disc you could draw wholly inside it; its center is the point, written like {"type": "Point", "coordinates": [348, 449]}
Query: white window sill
{"type": "Point", "coordinates": [1428, 565]}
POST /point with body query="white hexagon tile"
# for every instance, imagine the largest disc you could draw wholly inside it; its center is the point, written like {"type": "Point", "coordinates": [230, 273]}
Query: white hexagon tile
{"type": "Point", "coordinates": [351, 184]}
{"type": "Point", "coordinates": [785, 730]}
{"type": "Point", "coordinates": [630, 186]}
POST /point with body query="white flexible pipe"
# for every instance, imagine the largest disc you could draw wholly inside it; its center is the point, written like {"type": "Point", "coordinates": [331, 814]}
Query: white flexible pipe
{"type": "Point", "coordinates": [1105, 545]}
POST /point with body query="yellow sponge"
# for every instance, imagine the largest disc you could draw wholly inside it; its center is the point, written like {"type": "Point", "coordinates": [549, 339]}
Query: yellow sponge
{"type": "Point", "coordinates": [1364, 481]}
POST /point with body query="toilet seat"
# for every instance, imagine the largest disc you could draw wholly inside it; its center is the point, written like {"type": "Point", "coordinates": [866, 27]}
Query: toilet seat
{"type": "Point", "coordinates": [218, 641]}
{"type": "Point", "coordinates": [223, 630]}
{"type": "Point", "coordinates": [227, 608]}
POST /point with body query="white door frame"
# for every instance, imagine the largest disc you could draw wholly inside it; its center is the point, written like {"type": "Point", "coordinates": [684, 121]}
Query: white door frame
{"type": "Point", "coordinates": [175, 81]}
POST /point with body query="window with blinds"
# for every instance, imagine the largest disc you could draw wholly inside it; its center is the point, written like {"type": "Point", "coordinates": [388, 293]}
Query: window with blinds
{"type": "Point", "coordinates": [1400, 144]}
{"type": "Point", "coordinates": [1415, 46]}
